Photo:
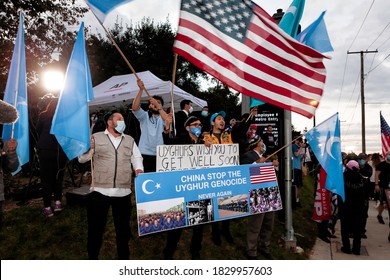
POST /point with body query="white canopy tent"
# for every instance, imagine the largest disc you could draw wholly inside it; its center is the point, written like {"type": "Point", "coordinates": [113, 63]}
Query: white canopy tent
{"type": "Point", "coordinates": [119, 91]}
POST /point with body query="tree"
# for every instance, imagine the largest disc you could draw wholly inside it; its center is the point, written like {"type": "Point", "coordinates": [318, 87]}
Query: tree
{"type": "Point", "coordinates": [47, 24]}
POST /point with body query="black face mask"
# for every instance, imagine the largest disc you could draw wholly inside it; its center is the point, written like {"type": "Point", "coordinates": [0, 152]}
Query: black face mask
{"type": "Point", "coordinates": [154, 112]}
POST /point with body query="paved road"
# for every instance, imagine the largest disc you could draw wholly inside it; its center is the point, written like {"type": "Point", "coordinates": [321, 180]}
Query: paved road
{"type": "Point", "coordinates": [375, 247]}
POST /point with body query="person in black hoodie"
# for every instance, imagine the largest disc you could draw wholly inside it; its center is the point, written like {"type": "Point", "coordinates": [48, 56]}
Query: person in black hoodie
{"type": "Point", "coordinates": [352, 211]}
{"type": "Point", "coordinates": [52, 160]}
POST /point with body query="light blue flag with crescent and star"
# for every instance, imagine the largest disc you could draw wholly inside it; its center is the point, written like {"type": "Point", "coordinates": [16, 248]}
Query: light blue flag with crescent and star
{"type": "Point", "coordinates": [324, 140]}
{"type": "Point", "coordinates": [316, 36]}
{"type": "Point", "coordinates": [101, 8]}
{"type": "Point", "coordinates": [70, 123]}
{"type": "Point", "coordinates": [16, 95]}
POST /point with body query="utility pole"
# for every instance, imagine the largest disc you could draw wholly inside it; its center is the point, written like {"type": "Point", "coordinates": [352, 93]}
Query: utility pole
{"type": "Point", "coordinates": [362, 95]}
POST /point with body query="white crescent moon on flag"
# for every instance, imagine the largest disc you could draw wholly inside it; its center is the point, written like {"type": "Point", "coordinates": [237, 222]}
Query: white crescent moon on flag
{"type": "Point", "coordinates": [291, 10]}
{"type": "Point", "coordinates": [329, 144]}
{"type": "Point", "coordinates": [144, 187]}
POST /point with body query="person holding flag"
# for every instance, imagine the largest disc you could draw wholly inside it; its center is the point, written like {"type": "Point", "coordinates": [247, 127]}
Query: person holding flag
{"type": "Point", "coordinates": [52, 159]}
{"type": "Point", "coordinates": [9, 161]}
{"type": "Point", "coordinates": [115, 156]}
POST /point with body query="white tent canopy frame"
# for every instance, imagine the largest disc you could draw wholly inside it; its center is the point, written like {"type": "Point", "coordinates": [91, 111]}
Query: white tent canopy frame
{"type": "Point", "coordinates": [119, 91]}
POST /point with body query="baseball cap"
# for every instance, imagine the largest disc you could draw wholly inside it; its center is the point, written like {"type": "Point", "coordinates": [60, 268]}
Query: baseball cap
{"type": "Point", "coordinates": [213, 116]}
{"type": "Point", "coordinates": [352, 164]}
{"type": "Point", "coordinates": [190, 120]}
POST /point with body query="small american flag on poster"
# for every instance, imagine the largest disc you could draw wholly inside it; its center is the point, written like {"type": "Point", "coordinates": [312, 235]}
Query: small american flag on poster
{"type": "Point", "coordinates": [262, 174]}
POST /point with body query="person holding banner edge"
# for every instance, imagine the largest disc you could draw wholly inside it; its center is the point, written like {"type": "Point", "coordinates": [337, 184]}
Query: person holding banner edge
{"type": "Point", "coordinates": [193, 126]}
{"type": "Point", "coordinates": [260, 225]}
{"type": "Point", "coordinates": [114, 155]}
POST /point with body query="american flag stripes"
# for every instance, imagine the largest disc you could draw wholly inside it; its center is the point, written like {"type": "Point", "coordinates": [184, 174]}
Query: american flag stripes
{"type": "Point", "coordinates": [237, 42]}
{"type": "Point", "coordinates": [385, 135]}
{"type": "Point", "coordinates": [262, 174]}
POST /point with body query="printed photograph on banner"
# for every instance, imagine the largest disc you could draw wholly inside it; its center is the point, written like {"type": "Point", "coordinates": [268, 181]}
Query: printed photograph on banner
{"type": "Point", "coordinates": [265, 200]}
{"type": "Point", "coordinates": [160, 215]}
{"type": "Point", "coordinates": [199, 212]}
{"type": "Point", "coordinates": [232, 206]}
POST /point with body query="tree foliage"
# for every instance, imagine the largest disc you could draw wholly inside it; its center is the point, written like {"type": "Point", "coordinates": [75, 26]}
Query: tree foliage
{"type": "Point", "coordinates": [48, 25]}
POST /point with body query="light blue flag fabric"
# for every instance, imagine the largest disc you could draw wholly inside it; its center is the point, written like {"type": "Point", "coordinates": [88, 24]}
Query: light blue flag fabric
{"type": "Point", "coordinates": [16, 95]}
{"type": "Point", "coordinates": [70, 123]}
{"type": "Point", "coordinates": [255, 102]}
{"type": "Point", "coordinates": [316, 36]}
{"type": "Point", "coordinates": [324, 140]}
{"type": "Point", "coordinates": [101, 8]}
{"type": "Point", "coordinates": [290, 20]}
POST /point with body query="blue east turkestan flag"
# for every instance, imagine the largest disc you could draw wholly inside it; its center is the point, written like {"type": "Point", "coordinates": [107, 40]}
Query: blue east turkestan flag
{"type": "Point", "coordinates": [324, 140]}
{"type": "Point", "coordinates": [101, 8]}
{"type": "Point", "coordinates": [290, 20]}
{"type": "Point", "coordinates": [70, 123]}
{"type": "Point", "coordinates": [316, 36]}
{"type": "Point", "coordinates": [16, 95]}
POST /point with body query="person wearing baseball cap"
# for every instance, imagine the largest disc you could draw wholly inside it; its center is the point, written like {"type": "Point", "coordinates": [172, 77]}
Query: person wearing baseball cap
{"type": "Point", "coordinates": [193, 127]}
{"type": "Point", "coordinates": [352, 210]}
{"type": "Point", "coordinates": [218, 135]}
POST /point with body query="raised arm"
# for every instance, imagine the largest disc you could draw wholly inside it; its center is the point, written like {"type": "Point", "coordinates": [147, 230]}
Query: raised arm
{"type": "Point", "coordinates": [137, 100]}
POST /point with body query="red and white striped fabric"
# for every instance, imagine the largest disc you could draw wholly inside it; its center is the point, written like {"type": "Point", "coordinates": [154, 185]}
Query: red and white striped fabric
{"type": "Point", "coordinates": [385, 136]}
{"type": "Point", "coordinates": [238, 43]}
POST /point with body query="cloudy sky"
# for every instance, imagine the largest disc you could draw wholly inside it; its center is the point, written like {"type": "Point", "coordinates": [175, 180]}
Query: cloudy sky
{"type": "Point", "coordinates": [353, 26]}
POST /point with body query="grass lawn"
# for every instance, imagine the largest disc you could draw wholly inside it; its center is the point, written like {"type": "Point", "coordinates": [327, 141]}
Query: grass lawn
{"type": "Point", "coordinates": [28, 235]}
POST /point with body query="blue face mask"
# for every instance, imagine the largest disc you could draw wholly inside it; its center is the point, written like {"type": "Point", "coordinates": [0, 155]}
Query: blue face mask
{"type": "Point", "coordinates": [361, 162]}
{"type": "Point", "coordinates": [197, 131]}
{"type": "Point", "coordinates": [120, 126]}
{"type": "Point", "coordinates": [388, 157]}
{"type": "Point", "coordinates": [204, 113]}
{"type": "Point", "coordinates": [264, 148]}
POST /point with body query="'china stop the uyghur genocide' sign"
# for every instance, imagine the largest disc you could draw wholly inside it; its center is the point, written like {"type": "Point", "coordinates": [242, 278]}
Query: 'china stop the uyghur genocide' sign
{"type": "Point", "coordinates": [183, 198]}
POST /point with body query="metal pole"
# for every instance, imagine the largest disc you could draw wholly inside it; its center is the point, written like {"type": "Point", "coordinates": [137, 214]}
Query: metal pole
{"type": "Point", "coordinates": [362, 103]}
{"type": "Point", "coordinates": [362, 95]}
{"type": "Point", "coordinates": [290, 240]}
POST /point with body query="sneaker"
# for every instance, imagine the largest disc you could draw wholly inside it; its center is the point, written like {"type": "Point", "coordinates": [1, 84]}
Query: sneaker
{"type": "Point", "coordinates": [47, 212]}
{"type": "Point", "coordinates": [58, 207]}
{"type": "Point", "coordinates": [380, 219]}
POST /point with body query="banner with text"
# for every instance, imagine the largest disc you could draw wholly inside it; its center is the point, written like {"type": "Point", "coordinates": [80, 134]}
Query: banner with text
{"type": "Point", "coordinates": [185, 157]}
{"type": "Point", "coordinates": [177, 199]}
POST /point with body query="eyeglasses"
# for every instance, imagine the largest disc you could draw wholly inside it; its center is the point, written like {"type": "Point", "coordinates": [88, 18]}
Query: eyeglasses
{"type": "Point", "coordinates": [197, 125]}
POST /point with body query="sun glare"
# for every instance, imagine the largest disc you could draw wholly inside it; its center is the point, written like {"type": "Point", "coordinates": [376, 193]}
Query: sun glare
{"type": "Point", "coordinates": [53, 80]}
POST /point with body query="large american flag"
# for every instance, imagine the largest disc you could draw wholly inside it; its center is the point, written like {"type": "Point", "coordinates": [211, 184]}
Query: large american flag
{"type": "Point", "coordinates": [385, 135]}
{"type": "Point", "coordinates": [237, 42]}
{"type": "Point", "coordinates": [262, 174]}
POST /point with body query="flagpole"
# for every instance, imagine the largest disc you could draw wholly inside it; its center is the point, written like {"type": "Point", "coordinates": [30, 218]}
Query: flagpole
{"type": "Point", "coordinates": [172, 92]}
{"type": "Point", "coordinates": [119, 50]}
{"type": "Point", "coordinates": [18, 71]}
{"type": "Point", "coordinates": [282, 148]}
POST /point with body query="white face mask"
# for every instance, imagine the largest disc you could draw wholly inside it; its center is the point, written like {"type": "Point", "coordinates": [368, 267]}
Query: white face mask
{"type": "Point", "coordinates": [120, 126]}
{"type": "Point", "coordinates": [191, 109]}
